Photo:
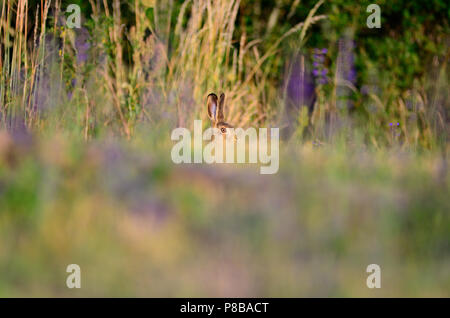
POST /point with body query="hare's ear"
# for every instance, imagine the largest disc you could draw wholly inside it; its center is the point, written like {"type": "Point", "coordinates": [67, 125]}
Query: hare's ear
{"type": "Point", "coordinates": [220, 115]}
{"type": "Point", "coordinates": [211, 103]}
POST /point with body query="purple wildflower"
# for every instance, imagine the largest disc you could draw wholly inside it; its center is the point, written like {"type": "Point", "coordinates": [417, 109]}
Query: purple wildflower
{"type": "Point", "coordinates": [346, 60]}
{"type": "Point", "coordinates": [82, 45]}
{"type": "Point", "coordinates": [319, 58]}
{"type": "Point", "coordinates": [322, 80]}
{"type": "Point", "coordinates": [300, 87]}
{"type": "Point", "coordinates": [300, 91]}
{"type": "Point", "coordinates": [320, 71]}
{"type": "Point", "coordinates": [73, 83]}
{"type": "Point", "coordinates": [394, 129]}
{"type": "Point", "coordinates": [346, 72]}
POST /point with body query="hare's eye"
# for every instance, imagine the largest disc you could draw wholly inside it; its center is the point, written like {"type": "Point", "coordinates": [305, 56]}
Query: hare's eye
{"type": "Point", "coordinates": [223, 130]}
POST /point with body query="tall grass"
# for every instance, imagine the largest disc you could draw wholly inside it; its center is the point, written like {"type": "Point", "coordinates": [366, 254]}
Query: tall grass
{"type": "Point", "coordinates": [174, 65]}
{"type": "Point", "coordinates": [109, 76]}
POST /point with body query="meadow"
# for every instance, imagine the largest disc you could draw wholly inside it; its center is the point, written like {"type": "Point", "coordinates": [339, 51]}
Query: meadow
{"type": "Point", "coordinates": [87, 178]}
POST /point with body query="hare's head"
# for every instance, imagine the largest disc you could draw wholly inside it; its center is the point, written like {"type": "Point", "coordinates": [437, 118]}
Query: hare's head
{"type": "Point", "coordinates": [216, 113]}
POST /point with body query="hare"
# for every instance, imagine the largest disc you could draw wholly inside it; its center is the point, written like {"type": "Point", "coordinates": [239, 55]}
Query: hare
{"type": "Point", "coordinates": [215, 113]}
{"type": "Point", "coordinates": [240, 143]}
